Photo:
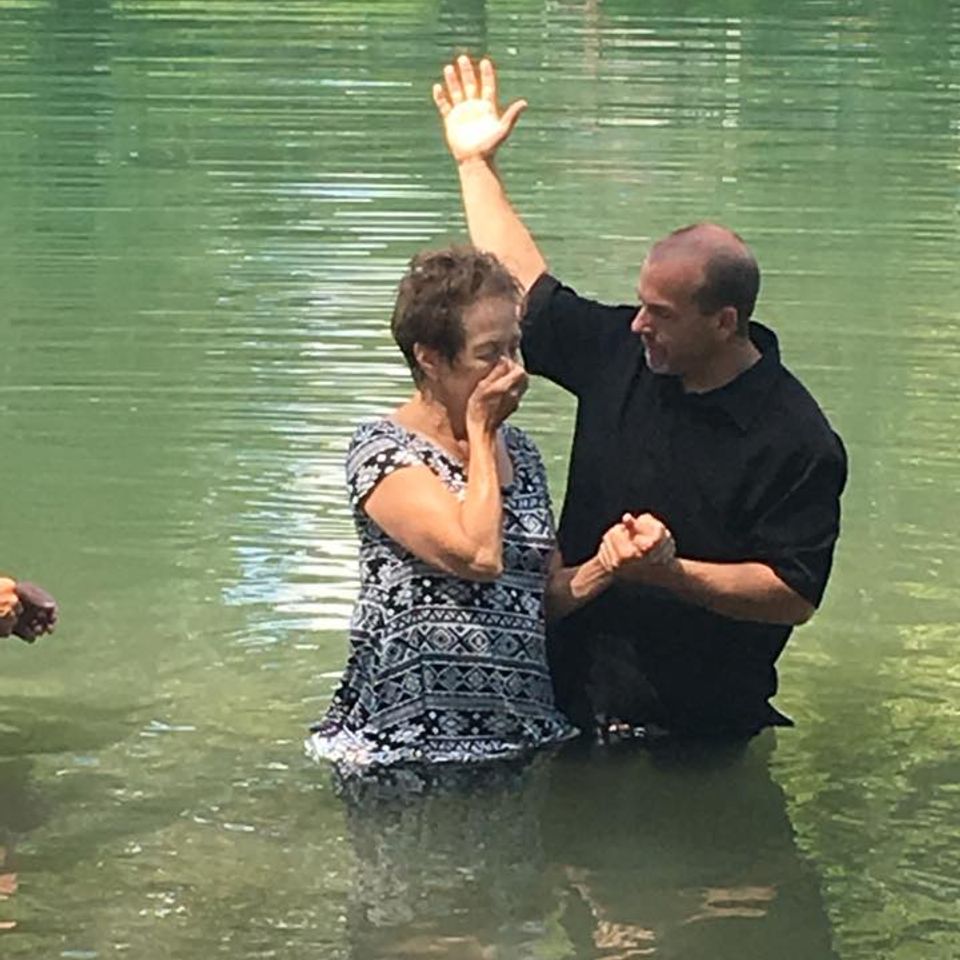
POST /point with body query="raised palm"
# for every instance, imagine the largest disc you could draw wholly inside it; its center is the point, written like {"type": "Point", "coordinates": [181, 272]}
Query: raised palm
{"type": "Point", "coordinates": [472, 121]}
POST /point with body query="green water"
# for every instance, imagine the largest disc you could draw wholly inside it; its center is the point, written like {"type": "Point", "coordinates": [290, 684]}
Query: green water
{"type": "Point", "coordinates": [204, 208]}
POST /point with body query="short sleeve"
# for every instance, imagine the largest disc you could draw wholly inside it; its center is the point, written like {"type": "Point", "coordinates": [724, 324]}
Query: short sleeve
{"type": "Point", "coordinates": [376, 450]}
{"type": "Point", "coordinates": [569, 339]}
{"type": "Point", "coordinates": [797, 533]}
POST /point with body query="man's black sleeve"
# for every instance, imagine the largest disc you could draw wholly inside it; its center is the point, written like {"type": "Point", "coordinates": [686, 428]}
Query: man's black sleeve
{"type": "Point", "coordinates": [796, 533]}
{"type": "Point", "coordinates": [567, 338]}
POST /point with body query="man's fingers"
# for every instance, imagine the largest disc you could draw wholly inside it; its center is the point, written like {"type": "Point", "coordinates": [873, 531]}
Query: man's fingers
{"type": "Point", "coordinates": [454, 89]}
{"type": "Point", "coordinates": [512, 114]}
{"type": "Point", "coordinates": [646, 527]}
{"type": "Point", "coordinates": [488, 81]}
{"type": "Point", "coordinates": [440, 99]}
{"type": "Point", "coordinates": [468, 77]}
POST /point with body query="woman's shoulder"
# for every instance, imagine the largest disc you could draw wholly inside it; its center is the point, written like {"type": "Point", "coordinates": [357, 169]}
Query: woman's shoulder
{"type": "Point", "coordinates": [377, 448]}
{"type": "Point", "coordinates": [376, 435]}
{"type": "Point", "coordinates": [372, 429]}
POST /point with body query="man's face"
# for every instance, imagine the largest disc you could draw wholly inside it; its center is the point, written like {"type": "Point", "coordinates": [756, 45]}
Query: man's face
{"type": "Point", "coordinates": [677, 338]}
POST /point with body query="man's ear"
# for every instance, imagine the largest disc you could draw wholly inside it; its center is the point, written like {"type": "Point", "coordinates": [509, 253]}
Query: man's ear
{"type": "Point", "coordinates": [428, 360]}
{"type": "Point", "coordinates": [727, 322]}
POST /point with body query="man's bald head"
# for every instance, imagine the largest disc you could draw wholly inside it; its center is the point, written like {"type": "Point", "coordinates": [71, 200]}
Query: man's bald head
{"type": "Point", "coordinates": [731, 275]}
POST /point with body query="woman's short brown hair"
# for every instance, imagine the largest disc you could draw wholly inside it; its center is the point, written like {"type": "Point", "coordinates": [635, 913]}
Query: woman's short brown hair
{"type": "Point", "coordinates": [436, 290]}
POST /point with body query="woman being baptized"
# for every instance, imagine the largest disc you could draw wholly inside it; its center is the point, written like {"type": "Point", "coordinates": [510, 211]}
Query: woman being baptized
{"type": "Point", "coordinates": [458, 561]}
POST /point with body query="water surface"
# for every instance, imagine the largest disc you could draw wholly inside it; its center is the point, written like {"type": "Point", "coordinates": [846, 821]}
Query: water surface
{"type": "Point", "coordinates": [204, 210]}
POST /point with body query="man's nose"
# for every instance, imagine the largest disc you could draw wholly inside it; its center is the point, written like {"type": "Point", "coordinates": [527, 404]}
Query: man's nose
{"type": "Point", "coordinates": [640, 322]}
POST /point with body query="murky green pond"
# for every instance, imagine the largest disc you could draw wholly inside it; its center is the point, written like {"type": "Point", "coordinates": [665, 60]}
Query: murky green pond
{"type": "Point", "coordinates": [204, 208]}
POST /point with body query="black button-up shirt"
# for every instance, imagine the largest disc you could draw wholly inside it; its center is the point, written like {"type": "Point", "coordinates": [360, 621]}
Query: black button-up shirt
{"type": "Point", "coordinates": [749, 471]}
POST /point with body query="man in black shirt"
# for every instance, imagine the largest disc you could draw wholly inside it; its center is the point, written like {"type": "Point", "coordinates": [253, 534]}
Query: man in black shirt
{"type": "Point", "coordinates": [685, 412]}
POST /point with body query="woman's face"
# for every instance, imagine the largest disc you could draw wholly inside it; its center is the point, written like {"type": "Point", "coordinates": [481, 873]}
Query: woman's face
{"type": "Point", "coordinates": [491, 332]}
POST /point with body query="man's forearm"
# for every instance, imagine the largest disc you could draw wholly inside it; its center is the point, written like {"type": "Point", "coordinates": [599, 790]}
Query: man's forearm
{"type": "Point", "coordinates": [493, 223]}
{"type": "Point", "coordinates": [741, 591]}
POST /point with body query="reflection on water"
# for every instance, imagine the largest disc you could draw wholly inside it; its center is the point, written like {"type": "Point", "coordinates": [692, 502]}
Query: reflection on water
{"type": "Point", "coordinates": [204, 211]}
{"type": "Point", "coordinates": [451, 865]}
{"type": "Point", "coordinates": [615, 852]}
{"type": "Point", "coordinates": [684, 851]}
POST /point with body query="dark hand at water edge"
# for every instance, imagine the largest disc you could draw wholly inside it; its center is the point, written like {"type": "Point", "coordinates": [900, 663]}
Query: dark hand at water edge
{"type": "Point", "coordinates": [38, 611]}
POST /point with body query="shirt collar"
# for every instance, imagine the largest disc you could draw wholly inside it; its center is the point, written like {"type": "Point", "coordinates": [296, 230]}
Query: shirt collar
{"type": "Point", "coordinates": [742, 398]}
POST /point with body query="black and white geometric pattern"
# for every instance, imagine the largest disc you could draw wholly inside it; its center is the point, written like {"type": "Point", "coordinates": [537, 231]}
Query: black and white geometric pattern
{"type": "Point", "coordinates": [443, 669]}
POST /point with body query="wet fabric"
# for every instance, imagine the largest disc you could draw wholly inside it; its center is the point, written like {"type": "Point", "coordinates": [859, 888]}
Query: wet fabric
{"type": "Point", "coordinates": [443, 669]}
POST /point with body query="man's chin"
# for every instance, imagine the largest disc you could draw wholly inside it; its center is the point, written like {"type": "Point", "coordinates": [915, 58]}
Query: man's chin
{"type": "Point", "coordinates": [656, 364]}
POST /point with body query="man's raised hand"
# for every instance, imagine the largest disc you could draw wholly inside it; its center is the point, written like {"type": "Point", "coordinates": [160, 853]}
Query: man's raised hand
{"type": "Point", "coordinates": [472, 121]}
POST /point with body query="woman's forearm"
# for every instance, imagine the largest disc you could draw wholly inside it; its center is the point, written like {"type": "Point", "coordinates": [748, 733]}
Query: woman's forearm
{"type": "Point", "coordinates": [481, 514]}
{"type": "Point", "coordinates": [569, 588]}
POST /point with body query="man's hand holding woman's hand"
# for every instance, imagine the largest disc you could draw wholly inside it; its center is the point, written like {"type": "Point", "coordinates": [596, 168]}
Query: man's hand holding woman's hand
{"type": "Point", "coordinates": [636, 547]}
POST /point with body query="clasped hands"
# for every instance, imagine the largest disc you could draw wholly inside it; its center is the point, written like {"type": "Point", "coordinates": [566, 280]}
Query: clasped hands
{"type": "Point", "coordinates": [637, 548]}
